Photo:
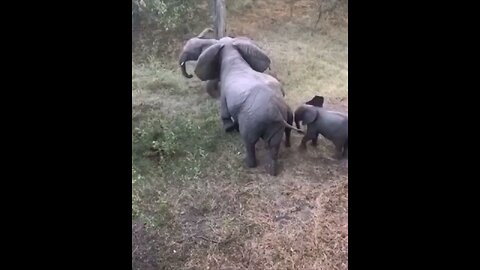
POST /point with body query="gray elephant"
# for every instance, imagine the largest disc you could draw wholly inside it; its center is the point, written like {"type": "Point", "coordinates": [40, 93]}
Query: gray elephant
{"type": "Point", "coordinates": [316, 101]}
{"type": "Point", "coordinates": [212, 87]}
{"type": "Point", "coordinates": [246, 96]}
{"type": "Point", "coordinates": [197, 45]}
{"type": "Point", "coordinates": [330, 124]}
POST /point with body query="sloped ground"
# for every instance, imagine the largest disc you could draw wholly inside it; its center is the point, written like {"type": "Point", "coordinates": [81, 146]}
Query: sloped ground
{"type": "Point", "coordinates": [202, 209]}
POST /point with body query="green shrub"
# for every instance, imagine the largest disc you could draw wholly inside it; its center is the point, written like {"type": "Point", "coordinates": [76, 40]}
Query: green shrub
{"type": "Point", "coordinates": [158, 25]}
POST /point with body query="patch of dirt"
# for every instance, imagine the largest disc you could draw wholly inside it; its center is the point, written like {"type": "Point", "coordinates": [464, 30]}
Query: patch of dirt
{"type": "Point", "coordinates": [144, 254]}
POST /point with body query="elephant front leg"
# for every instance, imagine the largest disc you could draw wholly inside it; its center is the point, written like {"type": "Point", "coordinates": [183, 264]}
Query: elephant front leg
{"type": "Point", "coordinates": [236, 127]}
{"type": "Point", "coordinates": [315, 141]}
{"type": "Point", "coordinates": [339, 150]}
{"type": "Point", "coordinates": [311, 135]}
{"type": "Point", "coordinates": [228, 124]}
{"type": "Point", "coordinates": [345, 150]}
{"type": "Point", "coordinates": [250, 160]}
{"type": "Point", "coordinates": [274, 145]}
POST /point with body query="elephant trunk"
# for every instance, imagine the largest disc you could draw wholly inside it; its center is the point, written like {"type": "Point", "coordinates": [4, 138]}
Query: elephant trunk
{"type": "Point", "coordinates": [298, 116]}
{"type": "Point", "coordinates": [191, 51]}
{"type": "Point", "coordinates": [182, 62]}
{"type": "Point", "coordinates": [297, 122]}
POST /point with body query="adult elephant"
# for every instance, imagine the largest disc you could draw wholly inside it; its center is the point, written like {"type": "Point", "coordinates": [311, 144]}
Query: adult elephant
{"type": "Point", "coordinates": [246, 96]}
{"type": "Point", "coordinates": [195, 46]}
{"type": "Point", "coordinates": [212, 87]}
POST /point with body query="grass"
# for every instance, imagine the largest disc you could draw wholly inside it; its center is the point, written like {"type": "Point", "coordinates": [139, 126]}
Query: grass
{"type": "Point", "coordinates": [194, 204]}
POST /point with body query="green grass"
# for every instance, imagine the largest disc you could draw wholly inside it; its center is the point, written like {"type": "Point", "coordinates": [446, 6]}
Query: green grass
{"type": "Point", "coordinates": [170, 144]}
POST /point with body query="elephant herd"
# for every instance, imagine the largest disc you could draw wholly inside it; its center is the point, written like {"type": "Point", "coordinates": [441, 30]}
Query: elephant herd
{"type": "Point", "coordinates": [253, 103]}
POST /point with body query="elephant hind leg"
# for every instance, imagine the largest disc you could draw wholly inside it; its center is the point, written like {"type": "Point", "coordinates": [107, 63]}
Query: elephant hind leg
{"type": "Point", "coordinates": [345, 149]}
{"type": "Point", "coordinates": [250, 138]}
{"type": "Point", "coordinates": [273, 166]}
{"type": "Point", "coordinates": [250, 159]}
{"type": "Point", "coordinates": [339, 147]}
{"type": "Point", "coordinates": [315, 141]}
{"type": "Point", "coordinates": [274, 146]}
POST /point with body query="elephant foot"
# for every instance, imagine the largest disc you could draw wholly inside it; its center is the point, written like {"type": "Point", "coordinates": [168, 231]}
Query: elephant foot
{"type": "Point", "coordinates": [266, 146]}
{"type": "Point", "coordinates": [339, 156]}
{"type": "Point", "coordinates": [302, 147]}
{"type": "Point", "coordinates": [272, 168]}
{"type": "Point", "coordinates": [250, 162]}
{"type": "Point", "coordinates": [287, 144]}
{"type": "Point", "coordinates": [229, 125]}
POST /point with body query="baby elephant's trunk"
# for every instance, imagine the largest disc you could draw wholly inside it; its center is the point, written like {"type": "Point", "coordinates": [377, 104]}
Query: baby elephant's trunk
{"type": "Point", "coordinates": [297, 123]}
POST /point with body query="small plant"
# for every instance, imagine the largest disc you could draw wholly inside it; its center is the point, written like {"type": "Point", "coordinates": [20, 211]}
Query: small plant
{"type": "Point", "coordinates": [157, 25]}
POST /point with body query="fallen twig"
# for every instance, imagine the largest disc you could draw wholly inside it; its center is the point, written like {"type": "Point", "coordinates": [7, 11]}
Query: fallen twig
{"type": "Point", "coordinates": [206, 239]}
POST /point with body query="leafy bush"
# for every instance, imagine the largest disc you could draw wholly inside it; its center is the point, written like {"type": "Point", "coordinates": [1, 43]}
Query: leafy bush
{"type": "Point", "coordinates": [158, 24]}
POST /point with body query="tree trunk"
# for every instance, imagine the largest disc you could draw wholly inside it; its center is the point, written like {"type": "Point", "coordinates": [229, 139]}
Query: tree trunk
{"type": "Point", "coordinates": [220, 16]}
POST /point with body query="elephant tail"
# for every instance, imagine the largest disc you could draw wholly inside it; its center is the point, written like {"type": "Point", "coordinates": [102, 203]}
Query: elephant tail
{"type": "Point", "coordinates": [292, 127]}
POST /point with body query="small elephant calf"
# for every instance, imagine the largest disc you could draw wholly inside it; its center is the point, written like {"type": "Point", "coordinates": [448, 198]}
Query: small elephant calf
{"type": "Point", "coordinates": [330, 124]}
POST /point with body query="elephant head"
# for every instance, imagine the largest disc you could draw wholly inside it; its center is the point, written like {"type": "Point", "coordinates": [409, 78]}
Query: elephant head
{"type": "Point", "coordinates": [306, 114]}
{"type": "Point", "coordinates": [206, 51]}
{"type": "Point", "coordinates": [208, 64]}
{"type": "Point", "coordinates": [316, 101]}
{"type": "Point", "coordinates": [192, 50]}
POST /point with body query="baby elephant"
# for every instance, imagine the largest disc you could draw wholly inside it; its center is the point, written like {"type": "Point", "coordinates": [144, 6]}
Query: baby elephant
{"type": "Point", "coordinates": [330, 124]}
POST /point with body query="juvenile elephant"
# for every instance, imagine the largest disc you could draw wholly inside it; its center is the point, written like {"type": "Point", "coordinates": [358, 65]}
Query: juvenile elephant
{"type": "Point", "coordinates": [246, 97]}
{"type": "Point", "coordinates": [330, 124]}
{"type": "Point", "coordinates": [316, 101]}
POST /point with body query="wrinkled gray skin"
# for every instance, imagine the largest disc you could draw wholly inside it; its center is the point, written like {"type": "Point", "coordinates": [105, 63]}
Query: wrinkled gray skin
{"type": "Point", "coordinates": [247, 97]}
{"type": "Point", "coordinates": [212, 87]}
{"type": "Point", "coordinates": [191, 50]}
{"type": "Point", "coordinates": [316, 101]}
{"type": "Point", "coordinates": [330, 124]}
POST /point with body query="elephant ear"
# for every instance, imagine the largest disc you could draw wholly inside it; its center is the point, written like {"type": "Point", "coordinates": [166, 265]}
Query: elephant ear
{"type": "Point", "coordinates": [310, 114]}
{"type": "Point", "coordinates": [255, 57]}
{"type": "Point", "coordinates": [316, 101]}
{"type": "Point", "coordinates": [208, 64]}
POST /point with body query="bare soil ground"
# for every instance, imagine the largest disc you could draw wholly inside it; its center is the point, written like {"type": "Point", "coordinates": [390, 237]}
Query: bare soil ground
{"type": "Point", "coordinates": [228, 217]}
